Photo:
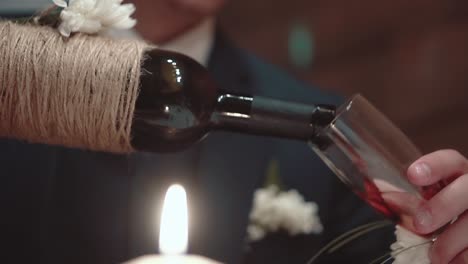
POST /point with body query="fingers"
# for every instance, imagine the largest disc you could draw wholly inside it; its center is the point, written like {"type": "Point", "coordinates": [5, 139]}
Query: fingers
{"type": "Point", "coordinates": [424, 217]}
{"type": "Point", "coordinates": [406, 205]}
{"type": "Point", "coordinates": [449, 203]}
{"type": "Point", "coordinates": [462, 258]}
{"type": "Point", "coordinates": [436, 166]}
{"type": "Point", "coordinates": [451, 243]}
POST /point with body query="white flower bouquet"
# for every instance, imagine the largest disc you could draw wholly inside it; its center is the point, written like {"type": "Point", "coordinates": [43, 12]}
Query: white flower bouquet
{"type": "Point", "coordinates": [85, 16]}
{"type": "Point", "coordinates": [94, 16]}
{"type": "Point", "coordinates": [274, 210]}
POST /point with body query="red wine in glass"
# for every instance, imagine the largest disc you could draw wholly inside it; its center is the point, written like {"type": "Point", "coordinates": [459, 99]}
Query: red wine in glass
{"type": "Point", "coordinates": [373, 196]}
{"type": "Point", "coordinates": [371, 156]}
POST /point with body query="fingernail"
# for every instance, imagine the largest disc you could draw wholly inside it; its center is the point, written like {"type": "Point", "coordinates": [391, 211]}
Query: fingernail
{"type": "Point", "coordinates": [423, 171]}
{"type": "Point", "coordinates": [423, 218]}
{"type": "Point", "coordinates": [460, 259]}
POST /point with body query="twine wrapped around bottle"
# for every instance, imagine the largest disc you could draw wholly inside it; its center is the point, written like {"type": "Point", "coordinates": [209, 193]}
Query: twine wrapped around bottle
{"type": "Point", "coordinates": [77, 92]}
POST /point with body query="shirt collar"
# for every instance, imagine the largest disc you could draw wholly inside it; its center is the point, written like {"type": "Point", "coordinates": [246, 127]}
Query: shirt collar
{"type": "Point", "coordinates": [195, 43]}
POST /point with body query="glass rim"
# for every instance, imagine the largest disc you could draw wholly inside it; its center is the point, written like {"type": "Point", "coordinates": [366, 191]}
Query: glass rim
{"type": "Point", "coordinates": [345, 107]}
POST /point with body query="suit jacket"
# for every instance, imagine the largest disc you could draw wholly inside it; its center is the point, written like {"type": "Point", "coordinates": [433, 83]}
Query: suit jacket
{"type": "Point", "coordinates": [65, 205]}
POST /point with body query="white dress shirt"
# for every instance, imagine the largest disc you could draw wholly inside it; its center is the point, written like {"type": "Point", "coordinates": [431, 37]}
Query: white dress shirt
{"type": "Point", "coordinates": [195, 43]}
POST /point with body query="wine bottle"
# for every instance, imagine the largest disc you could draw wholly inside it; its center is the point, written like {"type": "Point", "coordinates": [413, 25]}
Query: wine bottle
{"type": "Point", "coordinates": [179, 103]}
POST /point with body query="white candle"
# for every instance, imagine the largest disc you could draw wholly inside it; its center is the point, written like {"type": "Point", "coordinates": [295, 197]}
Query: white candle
{"type": "Point", "coordinates": [183, 259]}
{"type": "Point", "coordinates": [173, 233]}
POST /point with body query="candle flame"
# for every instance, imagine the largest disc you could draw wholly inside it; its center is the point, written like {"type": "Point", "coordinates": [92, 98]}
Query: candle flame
{"type": "Point", "coordinates": [173, 233]}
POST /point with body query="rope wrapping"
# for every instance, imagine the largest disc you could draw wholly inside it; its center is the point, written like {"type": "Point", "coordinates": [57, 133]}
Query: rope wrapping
{"type": "Point", "coordinates": [77, 92]}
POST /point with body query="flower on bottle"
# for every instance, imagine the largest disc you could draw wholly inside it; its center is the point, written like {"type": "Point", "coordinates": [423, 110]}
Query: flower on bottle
{"type": "Point", "coordinates": [410, 248]}
{"type": "Point", "coordinates": [94, 16]}
{"type": "Point", "coordinates": [274, 210]}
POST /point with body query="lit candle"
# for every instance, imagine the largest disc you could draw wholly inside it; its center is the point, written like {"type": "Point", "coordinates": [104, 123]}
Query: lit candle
{"type": "Point", "coordinates": [173, 233]}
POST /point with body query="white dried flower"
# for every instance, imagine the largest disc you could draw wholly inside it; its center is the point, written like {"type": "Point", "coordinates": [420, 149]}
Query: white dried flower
{"type": "Point", "coordinates": [274, 210]}
{"type": "Point", "coordinates": [94, 16]}
{"type": "Point", "coordinates": [410, 248]}
{"type": "Point", "coordinates": [255, 232]}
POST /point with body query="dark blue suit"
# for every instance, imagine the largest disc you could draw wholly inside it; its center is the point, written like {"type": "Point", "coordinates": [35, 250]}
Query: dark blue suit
{"type": "Point", "coordinates": [72, 206]}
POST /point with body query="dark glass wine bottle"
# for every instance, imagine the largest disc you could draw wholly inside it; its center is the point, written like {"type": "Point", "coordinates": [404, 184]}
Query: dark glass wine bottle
{"type": "Point", "coordinates": [179, 103]}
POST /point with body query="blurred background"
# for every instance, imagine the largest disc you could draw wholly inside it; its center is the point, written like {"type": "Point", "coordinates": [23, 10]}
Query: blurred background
{"type": "Point", "coordinates": [407, 57]}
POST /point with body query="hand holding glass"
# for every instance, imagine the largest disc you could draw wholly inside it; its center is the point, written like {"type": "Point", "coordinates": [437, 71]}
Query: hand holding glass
{"type": "Point", "coordinates": [371, 155]}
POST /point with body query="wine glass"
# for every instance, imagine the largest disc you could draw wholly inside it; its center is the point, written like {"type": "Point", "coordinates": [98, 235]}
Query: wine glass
{"type": "Point", "coordinates": [371, 155]}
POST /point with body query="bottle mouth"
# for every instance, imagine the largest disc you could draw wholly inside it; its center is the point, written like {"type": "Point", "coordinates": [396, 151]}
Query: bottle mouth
{"type": "Point", "coordinates": [321, 140]}
{"type": "Point", "coordinates": [347, 106]}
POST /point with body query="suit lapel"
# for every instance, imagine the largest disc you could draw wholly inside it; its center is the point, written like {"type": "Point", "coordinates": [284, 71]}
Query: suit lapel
{"type": "Point", "coordinates": [231, 166]}
{"type": "Point", "coordinates": [28, 173]}
{"type": "Point", "coordinates": [228, 67]}
{"type": "Point", "coordinates": [90, 207]}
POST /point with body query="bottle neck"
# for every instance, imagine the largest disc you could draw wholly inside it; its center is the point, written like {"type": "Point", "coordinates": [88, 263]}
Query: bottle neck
{"type": "Point", "coordinates": [269, 117]}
